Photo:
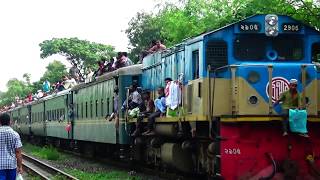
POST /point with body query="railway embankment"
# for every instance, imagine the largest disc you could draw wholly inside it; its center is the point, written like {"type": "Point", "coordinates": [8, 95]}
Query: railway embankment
{"type": "Point", "coordinates": [79, 167]}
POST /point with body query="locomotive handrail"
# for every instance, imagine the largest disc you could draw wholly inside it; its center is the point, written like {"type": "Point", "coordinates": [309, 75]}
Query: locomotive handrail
{"type": "Point", "coordinates": [270, 69]}
{"type": "Point", "coordinates": [255, 65]}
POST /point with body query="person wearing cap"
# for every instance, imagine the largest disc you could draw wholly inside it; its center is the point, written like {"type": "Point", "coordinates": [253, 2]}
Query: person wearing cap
{"type": "Point", "coordinates": [291, 99]}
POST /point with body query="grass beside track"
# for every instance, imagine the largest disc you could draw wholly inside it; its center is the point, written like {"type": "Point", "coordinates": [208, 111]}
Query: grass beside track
{"type": "Point", "coordinates": [112, 175]}
{"type": "Point", "coordinates": [47, 152]}
{"type": "Point", "coordinates": [52, 154]}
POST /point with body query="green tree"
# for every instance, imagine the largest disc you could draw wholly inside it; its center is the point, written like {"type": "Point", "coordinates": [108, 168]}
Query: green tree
{"type": "Point", "coordinates": [80, 53]}
{"type": "Point", "coordinates": [143, 28]}
{"type": "Point", "coordinates": [27, 78]}
{"type": "Point", "coordinates": [16, 88]}
{"type": "Point", "coordinates": [188, 18]}
{"type": "Point", "coordinates": [54, 72]}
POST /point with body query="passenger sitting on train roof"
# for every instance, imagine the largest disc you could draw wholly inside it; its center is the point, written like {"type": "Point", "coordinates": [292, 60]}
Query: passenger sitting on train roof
{"type": "Point", "coordinates": [46, 86]}
{"type": "Point", "coordinates": [146, 109]}
{"type": "Point", "coordinates": [39, 94]}
{"type": "Point", "coordinates": [101, 68]}
{"type": "Point", "coordinates": [89, 76]}
{"type": "Point", "coordinates": [74, 72]}
{"type": "Point", "coordinates": [122, 61]}
{"type": "Point", "coordinates": [69, 82]}
{"type": "Point", "coordinates": [59, 86]}
{"type": "Point", "coordinates": [160, 111]}
{"type": "Point", "coordinates": [291, 99]}
{"type": "Point", "coordinates": [157, 47]}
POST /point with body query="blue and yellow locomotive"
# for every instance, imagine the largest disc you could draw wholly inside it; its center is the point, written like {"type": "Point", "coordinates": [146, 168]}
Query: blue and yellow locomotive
{"type": "Point", "coordinates": [226, 126]}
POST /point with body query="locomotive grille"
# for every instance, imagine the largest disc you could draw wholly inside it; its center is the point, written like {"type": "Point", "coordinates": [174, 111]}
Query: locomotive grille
{"type": "Point", "coordinates": [249, 47]}
{"type": "Point", "coordinates": [217, 54]}
{"type": "Point", "coordinates": [288, 48]}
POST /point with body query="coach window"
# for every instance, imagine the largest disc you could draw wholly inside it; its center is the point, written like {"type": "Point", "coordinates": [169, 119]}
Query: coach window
{"type": "Point", "coordinates": [86, 109]}
{"type": "Point", "coordinates": [315, 52]}
{"type": "Point", "coordinates": [77, 111]}
{"type": "Point", "coordinates": [82, 110]}
{"type": "Point", "coordinates": [96, 108]}
{"type": "Point", "coordinates": [102, 108]}
{"type": "Point", "coordinates": [108, 106]}
{"type": "Point", "coordinates": [195, 64]}
{"type": "Point", "coordinates": [216, 54]}
{"type": "Point", "coordinates": [91, 109]}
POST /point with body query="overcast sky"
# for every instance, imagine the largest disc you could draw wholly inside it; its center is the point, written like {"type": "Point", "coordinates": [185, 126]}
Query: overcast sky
{"type": "Point", "coordinates": [26, 23]}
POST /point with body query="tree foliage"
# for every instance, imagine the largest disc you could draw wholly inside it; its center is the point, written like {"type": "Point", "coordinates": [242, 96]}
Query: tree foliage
{"type": "Point", "coordinates": [54, 72]}
{"type": "Point", "coordinates": [21, 88]}
{"type": "Point", "coordinates": [143, 28]}
{"type": "Point", "coordinates": [78, 52]}
{"type": "Point", "coordinates": [16, 88]}
{"type": "Point", "coordinates": [175, 22]}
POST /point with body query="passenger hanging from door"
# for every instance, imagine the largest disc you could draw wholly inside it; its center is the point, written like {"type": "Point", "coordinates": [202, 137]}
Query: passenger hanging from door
{"type": "Point", "coordinates": [160, 105]}
{"type": "Point", "coordinates": [145, 110]}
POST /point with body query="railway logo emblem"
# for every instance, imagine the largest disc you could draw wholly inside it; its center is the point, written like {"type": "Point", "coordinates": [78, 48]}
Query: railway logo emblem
{"type": "Point", "coordinates": [279, 85]}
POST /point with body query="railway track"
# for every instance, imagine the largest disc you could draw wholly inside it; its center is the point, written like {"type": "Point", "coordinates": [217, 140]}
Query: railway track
{"type": "Point", "coordinates": [42, 169]}
{"type": "Point", "coordinates": [135, 167]}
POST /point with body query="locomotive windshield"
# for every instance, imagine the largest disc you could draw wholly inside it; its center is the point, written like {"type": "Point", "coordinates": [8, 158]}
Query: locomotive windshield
{"type": "Point", "coordinates": [255, 47]}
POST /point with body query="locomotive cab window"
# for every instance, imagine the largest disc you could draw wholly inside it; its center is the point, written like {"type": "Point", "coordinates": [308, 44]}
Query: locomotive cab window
{"type": "Point", "coordinates": [249, 47]}
{"type": "Point", "coordinates": [288, 47]}
{"type": "Point", "coordinates": [315, 52]}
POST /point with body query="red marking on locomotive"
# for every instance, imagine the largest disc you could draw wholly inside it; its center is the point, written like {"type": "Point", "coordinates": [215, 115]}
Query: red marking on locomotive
{"type": "Point", "coordinates": [279, 85]}
{"type": "Point", "coordinates": [243, 152]}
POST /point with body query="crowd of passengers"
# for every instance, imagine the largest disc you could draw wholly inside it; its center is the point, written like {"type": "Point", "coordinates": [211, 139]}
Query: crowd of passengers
{"type": "Point", "coordinates": [75, 77]}
{"type": "Point", "coordinates": [140, 105]}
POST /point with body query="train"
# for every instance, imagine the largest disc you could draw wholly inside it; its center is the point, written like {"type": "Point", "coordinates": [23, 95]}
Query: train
{"type": "Point", "coordinates": [226, 127]}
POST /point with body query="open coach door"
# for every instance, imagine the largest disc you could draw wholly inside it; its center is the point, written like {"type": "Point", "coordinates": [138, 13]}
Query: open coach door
{"type": "Point", "coordinates": [70, 115]}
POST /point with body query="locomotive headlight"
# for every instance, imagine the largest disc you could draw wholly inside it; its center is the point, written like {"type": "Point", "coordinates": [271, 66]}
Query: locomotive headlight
{"type": "Point", "coordinates": [272, 20]}
{"type": "Point", "coordinates": [272, 31]}
{"type": "Point", "coordinates": [271, 25]}
{"type": "Point", "coordinates": [253, 100]}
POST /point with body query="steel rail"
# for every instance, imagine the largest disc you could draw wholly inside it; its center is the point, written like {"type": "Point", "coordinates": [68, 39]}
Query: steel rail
{"type": "Point", "coordinates": [45, 171]}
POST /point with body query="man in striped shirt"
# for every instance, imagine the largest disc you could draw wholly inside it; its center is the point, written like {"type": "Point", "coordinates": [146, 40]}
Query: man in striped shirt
{"type": "Point", "coordinates": [10, 150]}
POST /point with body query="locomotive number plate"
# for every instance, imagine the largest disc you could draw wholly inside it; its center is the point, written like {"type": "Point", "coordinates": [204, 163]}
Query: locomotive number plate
{"type": "Point", "coordinates": [291, 27]}
{"type": "Point", "coordinates": [249, 27]}
{"type": "Point", "coordinates": [232, 151]}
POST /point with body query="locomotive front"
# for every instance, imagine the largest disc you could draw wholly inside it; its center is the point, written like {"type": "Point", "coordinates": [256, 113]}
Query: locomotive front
{"type": "Point", "coordinates": [261, 55]}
